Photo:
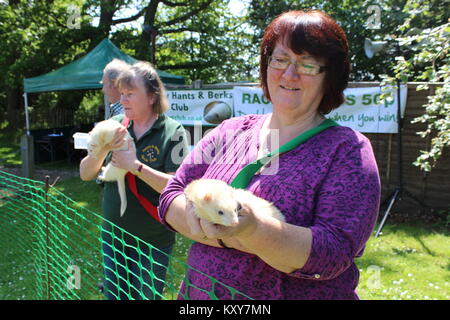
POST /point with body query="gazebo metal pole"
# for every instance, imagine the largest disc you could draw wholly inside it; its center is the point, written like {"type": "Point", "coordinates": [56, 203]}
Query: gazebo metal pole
{"type": "Point", "coordinates": [27, 117]}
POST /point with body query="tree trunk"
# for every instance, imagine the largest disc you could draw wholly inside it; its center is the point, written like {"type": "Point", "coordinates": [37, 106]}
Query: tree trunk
{"type": "Point", "coordinates": [107, 10]}
{"type": "Point", "coordinates": [144, 49]}
{"type": "Point", "coordinates": [13, 107]}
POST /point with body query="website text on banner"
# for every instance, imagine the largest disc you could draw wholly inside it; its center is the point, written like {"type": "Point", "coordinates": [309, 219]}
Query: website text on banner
{"type": "Point", "coordinates": [362, 111]}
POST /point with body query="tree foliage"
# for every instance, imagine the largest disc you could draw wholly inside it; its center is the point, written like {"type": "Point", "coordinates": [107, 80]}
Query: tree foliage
{"type": "Point", "coordinates": [426, 36]}
{"type": "Point", "coordinates": [354, 16]}
{"type": "Point", "coordinates": [209, 45]}
{"type": "Point", "coordinates": [36, 39]}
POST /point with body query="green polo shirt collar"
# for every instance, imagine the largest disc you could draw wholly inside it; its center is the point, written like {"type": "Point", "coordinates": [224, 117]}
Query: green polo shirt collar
{"type": "Point", "coordinates": [159, 123]}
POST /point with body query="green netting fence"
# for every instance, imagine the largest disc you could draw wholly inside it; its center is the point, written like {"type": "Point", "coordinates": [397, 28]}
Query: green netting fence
{"type": "Point", "coordinates": [51, 248]}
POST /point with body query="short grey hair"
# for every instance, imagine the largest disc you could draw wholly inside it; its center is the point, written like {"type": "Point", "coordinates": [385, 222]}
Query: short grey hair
{"type": "Point", "coordinates": [114, 68]}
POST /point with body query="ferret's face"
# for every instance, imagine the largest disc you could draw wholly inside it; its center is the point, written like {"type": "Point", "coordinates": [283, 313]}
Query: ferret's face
{"type": "Point", "coordinates": [214, 200]}
{"type": "Point", "coordinates": [102, 134]}
{"type": "Point", "coordinates": [221, 211]}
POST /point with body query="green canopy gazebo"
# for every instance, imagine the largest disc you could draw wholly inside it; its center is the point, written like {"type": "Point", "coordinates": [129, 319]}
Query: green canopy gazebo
{"type": "Point", "coordinates": [84, 73]}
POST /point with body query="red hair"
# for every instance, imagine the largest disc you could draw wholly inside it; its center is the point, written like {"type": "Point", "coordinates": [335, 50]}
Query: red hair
{"type": "Point", "coordinates": [318, 34]}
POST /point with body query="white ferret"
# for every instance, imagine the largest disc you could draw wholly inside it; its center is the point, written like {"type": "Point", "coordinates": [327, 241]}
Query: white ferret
{"type": "Point", "coordinates": [216, 201]}
{"type": "Point", "coordinates": [102, 134]}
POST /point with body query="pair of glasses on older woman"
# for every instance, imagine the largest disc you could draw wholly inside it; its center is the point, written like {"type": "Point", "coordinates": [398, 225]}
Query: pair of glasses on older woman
{"type": "Point", "coordinates": [302, 67]}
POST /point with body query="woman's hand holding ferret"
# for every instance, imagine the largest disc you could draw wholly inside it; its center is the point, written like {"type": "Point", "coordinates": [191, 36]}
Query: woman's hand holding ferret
{"type": "Point", "coordinates": [115, 144]}
{"type": "Point", "coordinates": [207, 230]}
{"type": "Point", "coordinates": [193, 221]}
{"type": "Point", "coordinates": [126, 159]}
{"type": "Point", "coordinates": [118, 139]}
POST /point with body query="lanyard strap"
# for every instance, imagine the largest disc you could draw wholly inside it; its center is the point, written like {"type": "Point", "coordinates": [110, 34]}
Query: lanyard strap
{"type": "Point", "coordinates": [246, 174]}
{"type": "Point", "coordinates": [131, 181]}
{"type": "Point", "coordinates": [147, 205]}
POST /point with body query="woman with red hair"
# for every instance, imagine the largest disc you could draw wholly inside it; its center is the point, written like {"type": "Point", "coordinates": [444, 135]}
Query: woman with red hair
{"type": "Point", "coordinates": [327, 188]}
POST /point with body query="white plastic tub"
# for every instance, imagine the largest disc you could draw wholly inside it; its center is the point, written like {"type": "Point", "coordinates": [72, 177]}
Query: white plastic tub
{"type": "Point", "coordinates": [80, 140]}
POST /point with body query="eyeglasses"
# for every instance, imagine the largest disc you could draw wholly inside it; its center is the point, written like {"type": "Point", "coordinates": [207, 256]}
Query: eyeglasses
{"type": "Point", "coordinates": [301, 67]}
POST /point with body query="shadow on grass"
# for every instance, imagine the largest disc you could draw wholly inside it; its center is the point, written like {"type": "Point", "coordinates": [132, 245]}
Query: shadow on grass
{"type": "Point", "coordinates": [409, 241]}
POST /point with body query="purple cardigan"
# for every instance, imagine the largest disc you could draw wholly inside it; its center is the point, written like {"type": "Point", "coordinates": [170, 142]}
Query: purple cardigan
{"type": "Point", "coordinates": [329, 184]}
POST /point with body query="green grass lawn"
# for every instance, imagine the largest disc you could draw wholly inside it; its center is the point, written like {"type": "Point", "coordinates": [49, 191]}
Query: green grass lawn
{"type": "Point", "coordinates": [10, 149]}
{"type": "Point", "coordinates": [86, 193]}
{"type": "Point", "coordinates": [407, 262]}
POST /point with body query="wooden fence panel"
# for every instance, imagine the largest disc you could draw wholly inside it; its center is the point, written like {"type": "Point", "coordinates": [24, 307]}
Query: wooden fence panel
{"type": "Point", "coordinates": [431, 188]}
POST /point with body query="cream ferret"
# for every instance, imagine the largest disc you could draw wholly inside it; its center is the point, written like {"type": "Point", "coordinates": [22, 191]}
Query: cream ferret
{"type": "Point", "coordinates": [219, 203]}
{"type": "Point", "coordinates": [102, 134]}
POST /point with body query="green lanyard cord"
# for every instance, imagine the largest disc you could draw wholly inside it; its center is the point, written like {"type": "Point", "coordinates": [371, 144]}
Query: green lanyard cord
{"type": "Point", "coordinates": [246, 174]}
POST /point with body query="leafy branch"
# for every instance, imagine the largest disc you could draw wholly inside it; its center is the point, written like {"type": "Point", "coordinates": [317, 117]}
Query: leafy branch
{"type": "Point", "coordinates": [429, 61]}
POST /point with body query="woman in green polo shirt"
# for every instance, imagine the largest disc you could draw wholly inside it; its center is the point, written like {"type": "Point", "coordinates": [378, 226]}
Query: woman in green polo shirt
{"type": "Point", "coordinates": [159, 146]}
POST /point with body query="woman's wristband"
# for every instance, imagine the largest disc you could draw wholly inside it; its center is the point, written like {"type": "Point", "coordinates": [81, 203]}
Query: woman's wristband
{"type": "Point", "coordinates": [139, 169]}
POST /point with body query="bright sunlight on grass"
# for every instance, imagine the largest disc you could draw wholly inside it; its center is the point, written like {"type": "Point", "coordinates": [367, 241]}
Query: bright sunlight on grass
{"type": "Point", "coordinates": [407, 262]}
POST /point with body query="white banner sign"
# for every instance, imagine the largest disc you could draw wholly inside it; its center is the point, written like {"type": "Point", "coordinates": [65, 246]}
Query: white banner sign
{"type": "Point", "coordinates": [362, 110]}
{"type": "Point", "coordinates": [250, 100]}
{"type": "Point", "coordinates": [210, 107]}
